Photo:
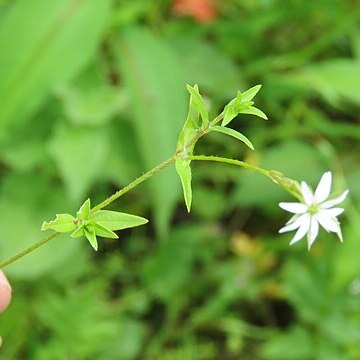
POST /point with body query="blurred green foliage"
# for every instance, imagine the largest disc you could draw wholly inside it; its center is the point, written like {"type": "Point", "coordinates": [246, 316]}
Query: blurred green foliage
{"type": "Point", "coordinates": [92, 94]}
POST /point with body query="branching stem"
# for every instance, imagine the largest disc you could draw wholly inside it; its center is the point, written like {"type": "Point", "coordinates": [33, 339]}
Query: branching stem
{"type": "Point", "coordinates": [145, 177]}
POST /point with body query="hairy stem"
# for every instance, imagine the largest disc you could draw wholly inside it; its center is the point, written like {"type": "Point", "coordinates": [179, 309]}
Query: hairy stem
{"type": "Point", "coordinates": [133, 184]}
{"type": "Point", "coordinates": [287, 184]}
{"type": "Point", "coordinates": [232, 162]}
{"type": "Point", "coordinates": [29, 249]}
{"type": "Point", "coordinates": [106, 202]}
{"type": "Point", "coordinates": [145, 177]}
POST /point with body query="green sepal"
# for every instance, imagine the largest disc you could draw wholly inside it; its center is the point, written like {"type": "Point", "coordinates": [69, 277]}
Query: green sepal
{"type": "Point", "coordinates": [63, 223]}
{"type": "Point", "coordinates": [113, 220]}
{"type": "Point", "coordinates": [78, 232]}
{"type": "Point", "coordinates": [233, 133]}
{"type": "Point", "coordinates": [89, 232]}
{"type": "Point", "coordinates": [248, 95]}
{"type": "Point", "coordinates": [84, 211]}
{"type": "Point", "coordinates": [199, 103]}
{"type": "Point", "coordinates": [103, 231]}
{"type": "Point", "coordinates": [254, 111]}
{"type": "Point", "coordinates": [184, 171]}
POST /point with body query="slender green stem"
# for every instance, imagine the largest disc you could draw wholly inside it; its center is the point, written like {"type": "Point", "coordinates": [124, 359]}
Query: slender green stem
{"type": "Point", "coordinates": [106, 202]}
{"type": "Point", "coordinates": [149, 174]}
{"type": "Point", "coordinates": [232, 162]}
{"type": "Point", "coordinates": [287, 184]}
{"type": "Point", "coordinates": [133, 184]}
{"type": "Point", "coordinates": [29, 249]}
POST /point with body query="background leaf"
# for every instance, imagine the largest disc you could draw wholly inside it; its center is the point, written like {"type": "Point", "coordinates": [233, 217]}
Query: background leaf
{"type": "Point", "coordinates": [159, 107]}
{"type": "Point", "coordinates": [46, 43]}
{"type": "Point", "coordinates": [79, 153]}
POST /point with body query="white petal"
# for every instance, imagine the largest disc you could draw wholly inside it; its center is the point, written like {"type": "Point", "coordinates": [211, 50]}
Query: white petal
{"type": "Point", "coordinates": [339, 234]}
{"type": "Point", "coordinates": [337, 200]}
{"type": "Point", "coordinates": [328, 223]}
{"type": "Point", "coordinates": [334, 212]}
{"type": "Point", "coordinates": [307, 193]}
{"type": "Point", "coordinates": [296, 208]}
{"type": "Point", "coordinates": [313, 232]}
{"type": "Point", "coordinates": [323, 189]}
{"type": "Point", "coordinates": [303, 229]}
{"type": "Point", "coordinates": [294, 224]}
{"type": "Point", "coordinates": [292, 219]}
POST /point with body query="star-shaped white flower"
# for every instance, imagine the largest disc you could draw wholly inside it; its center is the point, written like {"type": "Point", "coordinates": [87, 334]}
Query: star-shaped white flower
{"type": "Point", "coordinates": [316, 210]}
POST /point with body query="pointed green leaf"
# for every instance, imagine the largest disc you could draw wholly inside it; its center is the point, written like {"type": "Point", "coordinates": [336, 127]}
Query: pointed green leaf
{"type": "Point", "coordinates": [104, 232]}
{"type": "Point", "coordinates": [199, 103]}
{"type": "Point", "coordinates": [254, 111]}
{"type": "Point", "coordinates": [234, 107]}
{"type": "Point", "coordinates": [234, 134]}
{"type": "Point", "coordinates": [230, 112]}
{"type": "Point", "coordinates": [90, 235]}
{"type": "Point", "coordinates": [84, 211]}
{"type": "Point", "coordinates": [114, 220]}
{"type": "Point", "coordinates": [63, 223]}
{"type": "Point", "coordinates": [248, 95]}
{"type": "Point", "coordinates": [78, 232]}
{"type": "Point", "coordinates": [184, 171]}
{"type": "Point", "coordinates": [241, 105]}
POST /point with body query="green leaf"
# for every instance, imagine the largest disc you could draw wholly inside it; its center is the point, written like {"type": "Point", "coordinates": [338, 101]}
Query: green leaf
{"type": "Point", "coordinates": [26, 199]}
{"type": "Point", "coordinates": [184, 171]}
{"type": "Point", "coordinates": [93, 104]}
{"type": "Point", "coordinates": [333, 79]}
{"type": "Point", "coordinates": [234, 107]}
{"type": "Point", "coordinates": [229, 113]}
{"type": "Point", "coordinates": [187, 134]}
{"type": "Point", "coordinates": [190, 128]}
{"type": "Point", "coordinates": [103, 231]}
{"type": "Point", "coordinates": [44, 43]}
{"type": "Point", "coordinates": [199, 104]}
{"type": "Point", "coordinates": [114, 220]}
{"type": "Point", "coordinates": [90, 235]}
{"type": "Point", "coordinates": [195, 51]}
{"type": "Point", "coordinates": [84, 211]}
{"type": "Point", "coordinates": [248, 95]}
{"type": "Point", "coordinates": [80, 231]}
{"type": "Point", "coordinates": [153, 78]}
{"type": "Point", "coordinates": [234, 134]}
{"type": "Point", "coordinates": [254, 111]}
{"type": "Point", "coordinates": [63, 223]}
{"type": "Point", "coordinates": [242, 104]}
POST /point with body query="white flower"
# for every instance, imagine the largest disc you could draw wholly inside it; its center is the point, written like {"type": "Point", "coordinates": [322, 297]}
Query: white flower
{"type": "Point", "coordinates": [315, 210]}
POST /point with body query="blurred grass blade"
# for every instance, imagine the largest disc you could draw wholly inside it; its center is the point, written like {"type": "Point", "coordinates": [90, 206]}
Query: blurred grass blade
{"type": "Point", "coordinates": [44, 43]}
{"type": "Point", "coordinates": [153, 78]}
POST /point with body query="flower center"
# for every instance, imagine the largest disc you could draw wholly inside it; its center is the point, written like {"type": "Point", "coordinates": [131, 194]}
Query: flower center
{"type": "Point", "coordinates": [313, 209]}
